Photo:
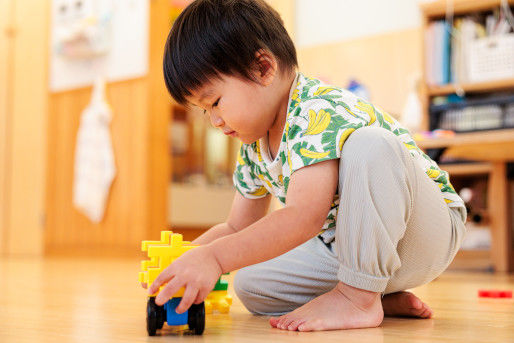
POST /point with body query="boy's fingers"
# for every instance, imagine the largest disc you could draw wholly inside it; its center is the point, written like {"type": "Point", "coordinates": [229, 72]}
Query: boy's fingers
{"type": "Point", "coordinates": [153, 287]}
{"type": "Point", "coordinates": [202, 294]}
{"type": "Point", "coordinates": [167, 292]}
{"type": "Point", "coordinates": [187, 299]}
{"type": "Point", "coordinates": [159, 280]}
{"type": "Point", "coordinates": [144, 285]}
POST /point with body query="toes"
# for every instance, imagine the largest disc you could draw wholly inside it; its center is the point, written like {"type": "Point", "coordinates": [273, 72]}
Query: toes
{"type": "Point", "coordinates": [311, 325]}
{"type": "Point", "coordinates": [405, 304]}
{"type": "Point", "coordinates": [274, 321]}
{"type": "Point", "coordinates": [415, 302]}
{"type": "Point", "coordinates": [417, 312]}
{"type": "Point", "coordinates": [410, 300]}
{"type": "Point", "coordinates": [424, 314]}
{"type": "Point", "coordinates": [284, 325]}
{"type": "Point", "coordinates": [281, 322]}
{"type": "Point", "coordinates": [428, 313]}
{"type": "Point", "coordinates": [417, 306]}
{"type": "Point", "coordinates": [295, 324]}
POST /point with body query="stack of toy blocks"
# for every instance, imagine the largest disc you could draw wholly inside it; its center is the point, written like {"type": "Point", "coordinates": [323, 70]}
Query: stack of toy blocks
{"type": "Point", "coordinates": [162, 253]}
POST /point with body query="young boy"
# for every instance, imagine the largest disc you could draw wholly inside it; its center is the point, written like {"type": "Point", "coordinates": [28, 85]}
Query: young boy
{"type": "Point", "coordinates": [365, 213]}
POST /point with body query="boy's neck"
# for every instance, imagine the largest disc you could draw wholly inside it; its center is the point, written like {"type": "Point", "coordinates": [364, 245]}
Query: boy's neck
{"type": "Point", "coordinates": [276, 129]}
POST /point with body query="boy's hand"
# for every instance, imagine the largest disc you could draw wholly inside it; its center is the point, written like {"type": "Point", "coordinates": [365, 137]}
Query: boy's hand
{"type": "Point", "coordinates": [197, 270]}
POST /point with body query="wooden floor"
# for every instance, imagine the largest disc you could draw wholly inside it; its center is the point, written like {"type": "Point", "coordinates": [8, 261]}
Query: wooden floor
{"type": "Point", "coordinates": [88, 300]}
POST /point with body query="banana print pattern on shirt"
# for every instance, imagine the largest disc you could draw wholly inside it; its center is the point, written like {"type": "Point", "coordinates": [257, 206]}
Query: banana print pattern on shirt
{"type": "Point", "coordinates": [320, 119]}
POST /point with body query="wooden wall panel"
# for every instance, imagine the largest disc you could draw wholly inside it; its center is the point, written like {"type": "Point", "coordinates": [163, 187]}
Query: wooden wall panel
{"type": "Point", "coordinates": [137, 203]}
{"type": "Point", "coordinates": [124, 223]}
{"type": "Point", "coordinates": [386, 64]}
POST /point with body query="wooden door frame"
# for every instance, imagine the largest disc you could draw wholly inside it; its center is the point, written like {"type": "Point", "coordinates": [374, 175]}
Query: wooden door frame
{"type": "Point", "coordinates": [6, 32]}
{"type": "Point", "coordinates": [23, 125]}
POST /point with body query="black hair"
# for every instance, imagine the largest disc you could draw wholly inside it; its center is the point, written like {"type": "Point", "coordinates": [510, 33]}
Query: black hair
{"type": "Point", "coordinates": [214, 37]}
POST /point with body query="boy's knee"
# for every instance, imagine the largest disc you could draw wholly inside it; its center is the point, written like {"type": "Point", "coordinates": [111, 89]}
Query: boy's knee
{"type": "Point", "coordinates": [255, 295]}
{"type": "Point", "coordinates": [243, 283]}
{"type": "Point", "coordinates": [370, 136]}
{"type": "Point", "coordinates": [246, 286]}
{"type": "Point", "coordinates": [369, 144]}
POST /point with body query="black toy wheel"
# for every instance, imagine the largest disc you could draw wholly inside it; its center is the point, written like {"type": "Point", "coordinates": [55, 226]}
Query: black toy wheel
{"type": "Point", "coordinates": [161, 317]}
{"type": "Point", "coordinates": [196, 318]}
{"type": "Point", "coordinates": [155, 316]}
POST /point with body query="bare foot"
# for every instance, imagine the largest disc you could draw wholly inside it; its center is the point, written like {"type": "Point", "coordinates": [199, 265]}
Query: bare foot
{"type": "Point", "coordinates": [405, 304]}
{"type": "Point", "coordinates": [344, 307]}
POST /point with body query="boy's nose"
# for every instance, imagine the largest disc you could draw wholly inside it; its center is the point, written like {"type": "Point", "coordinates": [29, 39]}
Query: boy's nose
{"type": "Point", "coordinates": [216, 121]}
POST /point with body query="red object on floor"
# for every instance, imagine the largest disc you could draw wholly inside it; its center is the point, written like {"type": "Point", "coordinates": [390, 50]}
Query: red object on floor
{"type": "Point", "coordinates": [494, 293]}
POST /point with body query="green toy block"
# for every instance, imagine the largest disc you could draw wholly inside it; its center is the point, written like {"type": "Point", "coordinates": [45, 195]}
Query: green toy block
{"type": "Point", "coordinates": [221, 285]}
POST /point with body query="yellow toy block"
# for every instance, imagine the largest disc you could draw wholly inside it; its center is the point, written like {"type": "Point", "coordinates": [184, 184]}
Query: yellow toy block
{"type": "Point", "coordinates": [162, 253]}
{"type": "Point", "coordinates": [218, 300]}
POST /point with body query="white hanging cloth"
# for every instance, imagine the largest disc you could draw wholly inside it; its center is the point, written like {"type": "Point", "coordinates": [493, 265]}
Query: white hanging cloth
{"type": "Point", "coordinates": [94, 157]}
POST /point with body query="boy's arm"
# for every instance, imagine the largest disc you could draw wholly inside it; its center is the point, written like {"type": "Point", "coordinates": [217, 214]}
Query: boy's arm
{"type": "Point", "coordinates": [243, 213]}
{"type": "Point", "coordinates": [309, 197]}
{"type": "Point", "coordinates": [310, 194]}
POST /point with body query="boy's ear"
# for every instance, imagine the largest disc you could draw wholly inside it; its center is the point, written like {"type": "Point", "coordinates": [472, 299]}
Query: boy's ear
{"type": "Point", "coordinates": [265, 67]}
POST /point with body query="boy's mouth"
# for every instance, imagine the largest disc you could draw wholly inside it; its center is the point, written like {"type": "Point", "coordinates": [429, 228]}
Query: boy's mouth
{"type": "Point", "coordinates": [230, 133]}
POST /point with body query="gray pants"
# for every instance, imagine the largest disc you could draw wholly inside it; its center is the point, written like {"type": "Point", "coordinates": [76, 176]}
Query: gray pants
{"type": "Point", "coordinates": [394, 231]}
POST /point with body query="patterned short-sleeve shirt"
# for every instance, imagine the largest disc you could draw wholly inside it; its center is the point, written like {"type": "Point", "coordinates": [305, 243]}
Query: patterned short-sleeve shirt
{"type": "Point", "coordinates": [319, 120]}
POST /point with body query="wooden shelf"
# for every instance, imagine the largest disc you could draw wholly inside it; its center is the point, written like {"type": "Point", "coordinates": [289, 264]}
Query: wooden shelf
{"type": "Point", "coordinates": [462, 169]}
{"type": "Point", "coordinates": [493, 148]}
{"type": "Point", "coordinates": [479, 87]}
{"type": "Point", "coordinates": [437, 9]}
{"type": "Point", "coordinates": [472, 138]}
{"type": "Point", "coordinates": [472, 259]}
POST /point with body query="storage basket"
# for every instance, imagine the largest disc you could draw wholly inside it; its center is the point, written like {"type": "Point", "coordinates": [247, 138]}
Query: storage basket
{"type": "Point", "coordinates": [491, 58]}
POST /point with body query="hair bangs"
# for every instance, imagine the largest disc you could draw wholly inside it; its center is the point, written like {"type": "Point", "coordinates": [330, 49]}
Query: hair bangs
{"type": "Point", "coordinates": [184, 72]}
{"type": "Point", "coordinates": [211, 38]}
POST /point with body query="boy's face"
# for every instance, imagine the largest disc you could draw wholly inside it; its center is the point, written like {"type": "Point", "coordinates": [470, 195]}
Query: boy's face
{"type": "Point", "coordinates": [239, 107]}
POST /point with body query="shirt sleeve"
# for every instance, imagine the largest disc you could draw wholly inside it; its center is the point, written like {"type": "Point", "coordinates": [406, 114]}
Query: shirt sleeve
{"type": "Point", "coordinates": [317, 133]}
{"type": "Point", "coordinates": [245, 180]}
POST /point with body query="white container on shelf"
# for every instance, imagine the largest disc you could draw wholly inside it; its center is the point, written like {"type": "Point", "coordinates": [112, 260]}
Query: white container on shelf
{"type": "Point", "coordinates": [198, 205]}
{"type": "Point", "coordinates": [491, 58]}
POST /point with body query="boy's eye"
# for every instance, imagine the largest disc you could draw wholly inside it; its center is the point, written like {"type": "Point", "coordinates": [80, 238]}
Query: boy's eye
{"type": "Point", "coordinates": [213, 105]}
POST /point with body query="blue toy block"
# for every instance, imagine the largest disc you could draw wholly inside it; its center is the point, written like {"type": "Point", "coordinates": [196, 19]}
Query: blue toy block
{"type": "Point", "coordinates": [172, 317]}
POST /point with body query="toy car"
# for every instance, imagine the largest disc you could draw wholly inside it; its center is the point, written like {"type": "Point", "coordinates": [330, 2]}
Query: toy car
{"type": "Point", "coordinates": [162, 253]}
